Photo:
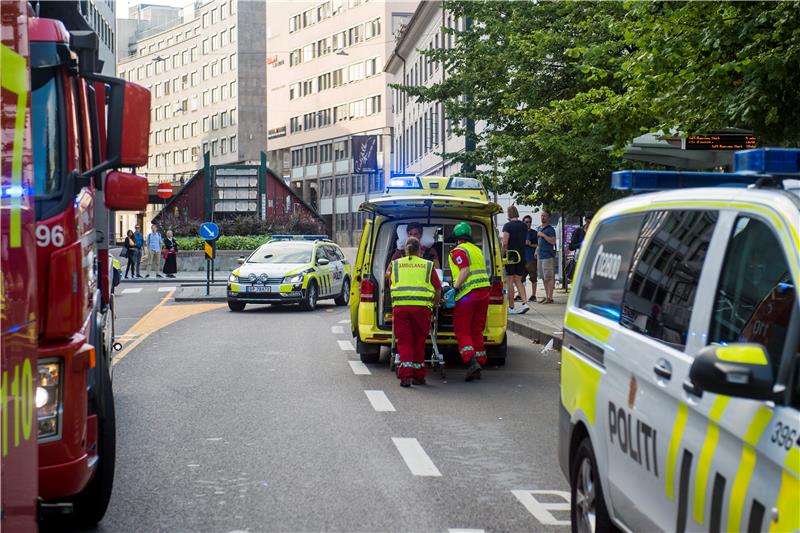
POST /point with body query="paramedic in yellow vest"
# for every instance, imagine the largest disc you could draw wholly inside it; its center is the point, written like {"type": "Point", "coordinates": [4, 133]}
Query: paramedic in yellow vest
{"type": "Point", "coordinates": [471, 285]}
{"type": "Point", "coordinates": [415, 290]}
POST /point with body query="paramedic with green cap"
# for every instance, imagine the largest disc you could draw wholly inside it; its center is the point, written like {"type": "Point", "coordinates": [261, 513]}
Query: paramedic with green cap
{"type": "Point", "coordinates": [471, 286]}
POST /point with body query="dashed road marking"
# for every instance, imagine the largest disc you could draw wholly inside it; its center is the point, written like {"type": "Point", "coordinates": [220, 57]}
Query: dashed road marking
{"type": "Point", "coordinates": [359, 368]}
{"type": "Point", "coordinates": [379, 400]}
{"type": "Point", "coordinates": [415, 457]}
{"type": "Point", "coordinates": [131, 291]}
{"type": "Point", "coordinates": [337, 330]}
{"type": "Point", "coordinates": [346, 346]}
{"type": "Point", "coordinates": [166, 289]}
{"type": "Point", "coordinates": [541, 510]}
{"type": "Point", "coordinates": [344, 321]}
{"type": "Point", "coordinates": [462, 530]}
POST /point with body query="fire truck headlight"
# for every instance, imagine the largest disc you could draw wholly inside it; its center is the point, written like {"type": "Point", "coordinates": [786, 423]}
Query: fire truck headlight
{"type": "Point", "coordinates": [48, 398]}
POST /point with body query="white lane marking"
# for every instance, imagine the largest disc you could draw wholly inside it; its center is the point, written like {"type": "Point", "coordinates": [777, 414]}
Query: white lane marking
{"type": "Point", "coordinates": [462, 530]}
{"type": "Point", "coordinates": [346, 346]}
{"type": "Point", "coordinates": [337, 330]}
{"type": "Point", "coordinates": [359, 368]}
{"type": "Point", "coordinates": [379, 400]}
{"type": "Point", "coordinates": [541, 510]}
{"type": "Point", "coordinates": [415, 457]}
{"type": "Point", "coordinates": [166, 289]}
{"type": "Point", "coordinates": [131, 291]}
{"type": "Point", "coordinates": [344, 321]}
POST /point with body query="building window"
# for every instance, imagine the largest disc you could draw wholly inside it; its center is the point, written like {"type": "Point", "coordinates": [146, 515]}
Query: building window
{"type": "Point", "coordinates": [223, 145]}
{"type": "Point", "coordinates": [234, 116]}
{"type": "Point", "coordinates": [371, 66]}
{"type": "Point", "coordinates": [214, 147]}
{"type": "Point", "coordinates": [294, 91]}
{"type": "Point", "coordinates": [215, 121]}
{"type": "Point", "coordinates": [341, 186]}
{"type": "Point", "coordinates": [325, 153]}
{"type": "Point", "coordinates": [357, 184]}
{"type": "Point", "coordinates": [311, 155]}
{"type": "Point", "coordinates": [297, 157]}
{"type": "Point", "coordinates": [224, 119]}
{"type": "Point", "coordinates": [295, 125]}
{"type": "Point", "coordinates": [233, 144]}
{"type": "Point", "coordinates": [341, 150]}
{"type": "Point", "coordinates": [372, 28]}
{"type": "Point", "coordinates": [326, 187]}
{"type": "Point", "coordinates": [373, 105]}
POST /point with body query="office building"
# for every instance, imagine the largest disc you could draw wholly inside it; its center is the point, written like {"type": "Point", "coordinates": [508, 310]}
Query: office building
{"type": "Point", "coordinates": [327, 92]}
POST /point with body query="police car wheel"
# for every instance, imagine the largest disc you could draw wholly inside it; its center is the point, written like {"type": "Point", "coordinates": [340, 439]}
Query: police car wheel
{"type": "Point", "coordinates": [236, 306]}
{"type": "Point", "coordinates": [587, 505]}
{"type": "Point", "coordinates": [309, 303]}
{"type": "Point", "coordinates": [344, 296]}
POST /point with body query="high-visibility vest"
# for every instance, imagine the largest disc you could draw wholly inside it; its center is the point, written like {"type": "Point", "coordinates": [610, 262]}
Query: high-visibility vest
{"type": "Point", "coordinates": [411, 282]}
{"type": "Point", "coordinates": [478, 277]}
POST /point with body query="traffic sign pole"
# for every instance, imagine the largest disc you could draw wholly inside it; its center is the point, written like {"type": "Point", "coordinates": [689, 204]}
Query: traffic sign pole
{"type": "Point", "coordinates": [210, 233]}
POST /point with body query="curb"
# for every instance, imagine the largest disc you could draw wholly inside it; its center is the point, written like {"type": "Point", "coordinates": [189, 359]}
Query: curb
{"type": "Point", "coordinates": [538, 333]}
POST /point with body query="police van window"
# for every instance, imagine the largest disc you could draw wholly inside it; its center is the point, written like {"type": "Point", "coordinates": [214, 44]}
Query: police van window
{"type": "Point", "coordinates": [607, 264]}
{"type": "Point", "coordinates": [321, 253]}
{"type": "Point", "coordinates": [330, 253]}
{"type": "Point", "coordinates": [756, 294]}
{"type": "Point", "coordinates": [664, 274]}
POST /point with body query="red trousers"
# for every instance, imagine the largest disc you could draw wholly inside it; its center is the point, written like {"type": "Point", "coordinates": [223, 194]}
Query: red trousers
{"type": "Point", "coordinates": [469, 319]}
{"type": "Point", "coordinates": [412, 323]}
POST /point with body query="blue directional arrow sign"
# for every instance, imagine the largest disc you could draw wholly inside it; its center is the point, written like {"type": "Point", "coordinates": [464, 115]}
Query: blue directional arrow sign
{"type": "Point", "coordinates": [209, 231]}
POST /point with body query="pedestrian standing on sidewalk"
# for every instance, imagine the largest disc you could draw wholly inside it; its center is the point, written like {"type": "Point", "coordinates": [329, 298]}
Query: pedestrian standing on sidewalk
{"type": "Point", "coordinates": [170, 255]}
{"type": "Point", "coordinates": [471, 287]}
{"type": "Point", "coordinates": [154, 245]}
{"type": "Point", "coordinates": [546, 256]}
{"type": "Point", "coordinates": [132, 251]}
{"type": "Point", "coordinates": [139, 238]}
{"type": "Point", "coordinates": [514, 233]}
{"type": "Point", "coordinates": [415, 290]}
{"type": "Point", "coordinates": [530, 255]}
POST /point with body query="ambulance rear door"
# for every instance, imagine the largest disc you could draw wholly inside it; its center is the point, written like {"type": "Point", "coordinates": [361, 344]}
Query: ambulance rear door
{"type": "Point", "coordinates": [361, 265]}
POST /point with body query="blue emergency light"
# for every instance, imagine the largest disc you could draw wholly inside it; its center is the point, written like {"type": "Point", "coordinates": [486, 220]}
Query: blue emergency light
{"type": "Point", "coordinates": [750, 166]}
{"type": "Point", "coordinates": [404, 181]}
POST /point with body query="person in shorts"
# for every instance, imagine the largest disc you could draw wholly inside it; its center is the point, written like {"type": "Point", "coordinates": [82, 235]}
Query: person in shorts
{"type": "Point", "coordinates": [514, 233]}
{"type": "Point", "coordinates": [546, 256]}
{"type": "Point", "coordinates": [530, 255]}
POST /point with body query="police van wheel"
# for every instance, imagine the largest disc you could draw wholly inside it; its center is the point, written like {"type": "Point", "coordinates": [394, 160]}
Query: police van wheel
{"type": "Point", "coordinates": [587, 505]}
{"type": "Point", "coordinates": [236, 306]}
{"type": "Point", "coordinates": [309, 303]}
{"type": "Point", "coordinates": [344, 296]}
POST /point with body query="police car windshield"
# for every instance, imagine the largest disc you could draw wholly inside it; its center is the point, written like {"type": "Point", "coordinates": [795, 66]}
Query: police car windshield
{"type": "Point", "coordinates": [282, 252]}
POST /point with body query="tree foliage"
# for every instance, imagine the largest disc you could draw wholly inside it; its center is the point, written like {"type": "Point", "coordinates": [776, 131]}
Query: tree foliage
{"type": "Point", "coordinates": [563, 86]}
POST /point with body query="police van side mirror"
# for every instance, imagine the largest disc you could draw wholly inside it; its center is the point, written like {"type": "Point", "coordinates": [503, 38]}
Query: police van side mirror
{"type": "Point", "coordinates": [240, 260]}
{"type": "Point", "coordinates": [512, 258]}
{"type": "Point", "coordinates": [739, 370]}
{"type": "Point", "coordinates": [322, 261]}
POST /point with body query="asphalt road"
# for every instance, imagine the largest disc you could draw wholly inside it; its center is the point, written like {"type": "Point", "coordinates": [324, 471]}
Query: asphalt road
{"type": "Point", "coordinates": [257, 421]}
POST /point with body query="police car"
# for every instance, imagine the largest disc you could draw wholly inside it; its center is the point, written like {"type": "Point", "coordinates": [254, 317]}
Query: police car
{"type": "Point", "coordinates": [301, 269]}
{"type": "Point", "coordinates": [680, 372]}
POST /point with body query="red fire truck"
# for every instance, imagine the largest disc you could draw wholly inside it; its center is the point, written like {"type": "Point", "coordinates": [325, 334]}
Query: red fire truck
{"type": "Point", "coordinates": [65, 132]}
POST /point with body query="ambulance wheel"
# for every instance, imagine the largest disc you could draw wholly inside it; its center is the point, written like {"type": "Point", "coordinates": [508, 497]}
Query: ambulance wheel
{"type": "Point", "coordinates": [309, 302]}
{"type": "Point", "coordinates": [497, 354]}
{"type": "Point", "coordinates": [236, 306]}
{"type": "Point", "coordinates": [588, 511]}
{"type": "Point", "coordinates": [368, 353]}
{"type": "Point", "coordinates": [344, 296]}
{"type": "Point", "coordinates": [91, 503]}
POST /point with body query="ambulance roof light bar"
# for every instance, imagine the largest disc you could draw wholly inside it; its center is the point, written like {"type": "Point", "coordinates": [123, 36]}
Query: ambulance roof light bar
{"type": "Point", "coordinates": [753, 167]}
{"type": "Point", "coordinates": [465, 184]}
{"type": "Point", "coordinates": [403, 181]}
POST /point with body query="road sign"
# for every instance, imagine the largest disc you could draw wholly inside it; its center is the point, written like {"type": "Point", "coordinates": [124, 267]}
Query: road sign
{"type": "Point", "coordinates": [164, 190]}
{"type": "Point", "coordinates": [209, 231]}
{"type": "Point", "coordinates": [209, 248]}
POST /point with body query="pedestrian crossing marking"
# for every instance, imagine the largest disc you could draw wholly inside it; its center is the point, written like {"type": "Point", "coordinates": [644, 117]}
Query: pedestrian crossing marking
{"type": "Point", "coordinates": [166, 289]}
{"type": "Point", "coordinates": [380, 402]}
{"type": "Point", "coordinates": [132, 291]}
{"type": "Point", "coordinates": [415, 457]}
{"type": "Point", "coordinates": [359, 368]}
{"type": "Point", "coordinates": [346, 346]}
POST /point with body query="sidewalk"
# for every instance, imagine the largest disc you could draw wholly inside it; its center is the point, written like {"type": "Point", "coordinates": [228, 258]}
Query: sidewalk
{"type": "Point", "coordinates": [181, 277]}
{"type": "Point", "coordinates": [544, 322]}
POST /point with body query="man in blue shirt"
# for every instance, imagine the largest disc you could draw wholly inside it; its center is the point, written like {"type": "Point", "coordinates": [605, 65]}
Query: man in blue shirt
{"type": "Point", "coordinates": [138, 238]}
{"type": "Point", "coordinates": [546, 256]}
{"type": "Point", "coordinates": [154, 241]}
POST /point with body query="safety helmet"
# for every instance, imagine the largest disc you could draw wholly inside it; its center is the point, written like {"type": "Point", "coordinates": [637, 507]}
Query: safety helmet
{"type": "Point", "coordinates": [462, 229]}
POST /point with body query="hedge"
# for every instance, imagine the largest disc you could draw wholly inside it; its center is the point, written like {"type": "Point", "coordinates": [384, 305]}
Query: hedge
{"type": "Point", "coordinates": [225, 242]}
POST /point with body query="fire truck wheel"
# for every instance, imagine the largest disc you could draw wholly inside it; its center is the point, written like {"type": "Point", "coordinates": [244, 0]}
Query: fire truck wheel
{"type": "Point", "coordinates": [236, 306]}
{"type": "Point", "coordinates": [91, 503]}
{"type": "Point", "coordinates": [497, 354]}
{"type": "Point", "coordinates": [344, 296]}
{"type": "Point", "coordinates": [309, 303]}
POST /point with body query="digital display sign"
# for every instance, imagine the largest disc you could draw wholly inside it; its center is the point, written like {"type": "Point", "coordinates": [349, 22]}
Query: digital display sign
{"type": "Point", "coordinates": [720, 141]}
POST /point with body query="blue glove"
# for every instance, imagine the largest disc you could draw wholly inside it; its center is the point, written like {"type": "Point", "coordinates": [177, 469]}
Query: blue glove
{"type": "Point", "coordinates": [450, 298]}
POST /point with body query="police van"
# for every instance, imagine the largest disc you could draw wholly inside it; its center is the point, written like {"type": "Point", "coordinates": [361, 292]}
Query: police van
{"type": "Point", "coordinates": [680, 372]}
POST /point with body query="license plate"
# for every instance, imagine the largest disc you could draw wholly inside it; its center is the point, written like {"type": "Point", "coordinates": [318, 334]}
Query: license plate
{"type": "Point", "coordinates": [259, 288]}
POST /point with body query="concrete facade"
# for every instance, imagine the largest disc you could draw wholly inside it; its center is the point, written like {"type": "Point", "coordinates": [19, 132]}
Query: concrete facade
{"type": "Point", "coordinates": [325, 83]}
{"type": "Point", "coordinates": [206, 76]}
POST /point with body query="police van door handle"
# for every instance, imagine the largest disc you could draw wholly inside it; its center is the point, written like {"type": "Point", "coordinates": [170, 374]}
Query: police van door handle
{"type": "Point", "coordinates": [663, 369]}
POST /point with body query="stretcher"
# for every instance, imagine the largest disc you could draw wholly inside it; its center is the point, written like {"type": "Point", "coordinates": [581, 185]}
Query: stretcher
{"type": "Point", "coordinates": [434, 361]}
